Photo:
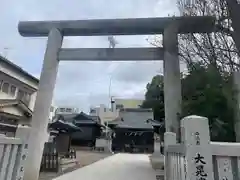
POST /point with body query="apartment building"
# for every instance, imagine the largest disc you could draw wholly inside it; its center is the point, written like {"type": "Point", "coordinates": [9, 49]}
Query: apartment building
{"type": "Point", "coordinates": [127, 103]}
{"type": "Point", "coordinates": [104, 113]}
{"type": "Point", "coordinates": [18, 90]}
{"type": "Point", "coordinates": [66, 110]}
{"type": "Point", "coordinates": [108, 114]}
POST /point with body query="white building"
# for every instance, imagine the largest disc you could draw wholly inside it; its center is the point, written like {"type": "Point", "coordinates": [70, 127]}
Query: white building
{"type": "Point", "coordinates": [127, 103]}
{"type": "Point", "coordinates": [18, 90]}
{"type": "Point", "coordinates": [108, 114]}
{"type": "Point", "coordinates": [104, 113]}
{"type": "Point", "coordinates": [52, 112]}
{"type": "Point", "coordinates": [66, 110]}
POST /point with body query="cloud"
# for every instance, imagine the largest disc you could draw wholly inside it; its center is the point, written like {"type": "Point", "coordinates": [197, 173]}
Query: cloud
{"type": "Point", "coordinates": [82, 84]}
{"type": "Point", "coordinates": [138, 72]}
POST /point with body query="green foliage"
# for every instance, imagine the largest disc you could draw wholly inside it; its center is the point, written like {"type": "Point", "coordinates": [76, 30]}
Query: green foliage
{"type": "Point", "coordinates": [154, 97]}
{"type": "Point", "coordinates": [206, 92]}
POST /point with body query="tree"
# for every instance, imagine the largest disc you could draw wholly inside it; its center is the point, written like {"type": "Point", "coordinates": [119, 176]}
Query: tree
{"type": "Point", "coordinates": [154, 97]}
{"type": "Point", "coordinates": [219, 58]}
{"type": "Point", "coordinates": [211, 60]}
{"type": "Point", "coordinates": [205, 93]}
{"type": "Point", "coordinates": [217, 48]}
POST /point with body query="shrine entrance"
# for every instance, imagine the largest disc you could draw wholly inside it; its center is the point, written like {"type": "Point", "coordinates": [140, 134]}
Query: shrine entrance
{"type": "Point", "coordinates": [170, 27]}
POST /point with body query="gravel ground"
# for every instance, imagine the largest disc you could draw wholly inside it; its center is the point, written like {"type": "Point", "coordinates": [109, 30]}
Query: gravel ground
{"type": "Point", "coordinates": [84, 158]}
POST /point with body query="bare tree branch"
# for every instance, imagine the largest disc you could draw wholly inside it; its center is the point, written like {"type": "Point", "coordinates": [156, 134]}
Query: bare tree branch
{"type": "Point", "coordinates": [217, 48]}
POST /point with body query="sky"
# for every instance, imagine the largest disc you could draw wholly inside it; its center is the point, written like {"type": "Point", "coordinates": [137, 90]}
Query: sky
{"type": "Point", "coordinates": [83, 84]}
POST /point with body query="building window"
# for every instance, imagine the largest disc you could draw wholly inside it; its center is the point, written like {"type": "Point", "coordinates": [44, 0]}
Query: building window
{"type": "Point", "coordinates": [93, 111]}
{"type": "Point", "coordinates": [68, 110]}
{"type": "Point", "coordinates": [13, 90]}
{"type": "Point", "coordinates": [24, 96]}
{"type": "Point", "coordinates": [20, 94]}
{"type": "Point", "coordinates": [119, 106]}
{"type": "Point", "coordinates": [27, 98]}
{"type": "Point", "coordinates": [5, 87]}
{"type": "Point", "coordinates": [1, 81]}
{"type": "Point", "coordinates": [62, 110]}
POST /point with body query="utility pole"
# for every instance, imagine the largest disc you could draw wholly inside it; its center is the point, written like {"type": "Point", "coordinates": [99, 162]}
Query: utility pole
{"type": "Point", "coordinates": [112, 44]}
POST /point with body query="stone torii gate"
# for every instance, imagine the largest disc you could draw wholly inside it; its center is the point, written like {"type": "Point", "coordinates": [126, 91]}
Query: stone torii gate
{"type": "Point", "coordinates": [170, 27]}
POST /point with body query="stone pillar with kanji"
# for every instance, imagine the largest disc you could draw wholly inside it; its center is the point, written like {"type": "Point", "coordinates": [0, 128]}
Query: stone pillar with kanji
{"type": "Point", "coordinates": [196, 138]}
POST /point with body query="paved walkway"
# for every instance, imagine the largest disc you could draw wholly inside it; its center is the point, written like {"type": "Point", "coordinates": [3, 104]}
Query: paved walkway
{"type": "Point", "coordinates": [116, 167]}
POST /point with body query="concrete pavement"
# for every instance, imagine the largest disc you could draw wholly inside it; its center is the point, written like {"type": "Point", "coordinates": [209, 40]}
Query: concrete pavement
{"type": "Point", "coordinates": [117, 167]}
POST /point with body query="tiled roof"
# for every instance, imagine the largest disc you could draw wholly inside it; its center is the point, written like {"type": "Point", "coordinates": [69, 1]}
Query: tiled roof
{"type": "Point", "coordinates": [4, 102]}
{"type": "Point", "coordinates": [21, 104]}
{"type": "Point", "coordinates": [66, 117]}
{"type": "Point", "coordinates": [74, 118]}
{"type": "Point", "coordinates": [62, 125]}
{"type": "Point", "coordinates": [17, 68]}
{"type": "Point", "coordinates": [135, 110]}
{"type": "Point", "coordinates": [135, 123]}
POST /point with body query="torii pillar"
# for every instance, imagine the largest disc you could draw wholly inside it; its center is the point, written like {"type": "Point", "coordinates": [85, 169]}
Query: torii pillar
{"type": "Point", "coordinates": [40, 118]}
{"type": "Point", "coordinates": [172, 82]}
